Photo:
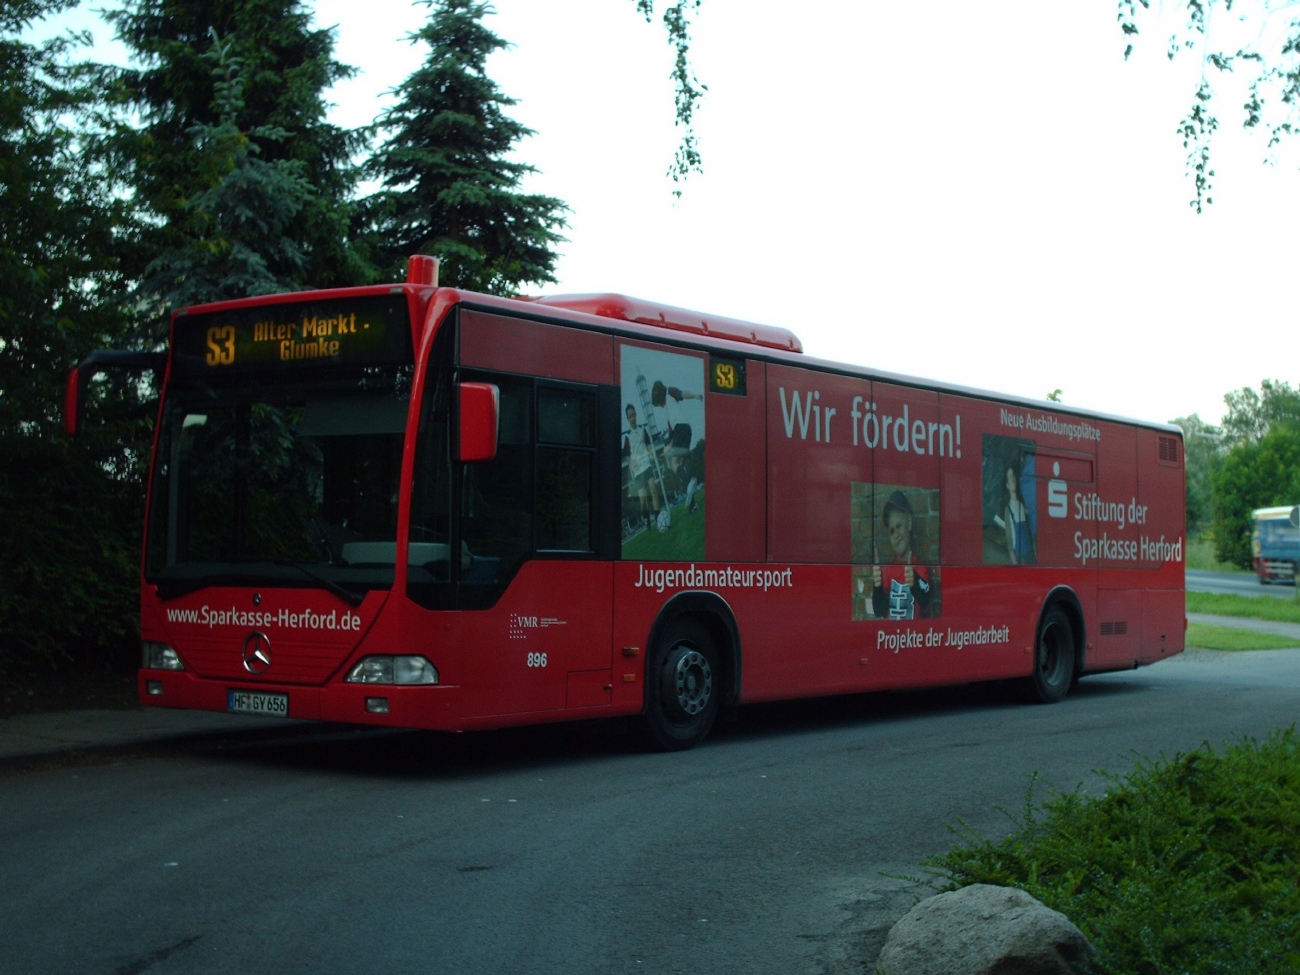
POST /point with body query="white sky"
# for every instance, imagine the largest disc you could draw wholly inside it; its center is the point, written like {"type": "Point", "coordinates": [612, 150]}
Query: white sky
{"type": "Point", "coordinates": [981, 194]}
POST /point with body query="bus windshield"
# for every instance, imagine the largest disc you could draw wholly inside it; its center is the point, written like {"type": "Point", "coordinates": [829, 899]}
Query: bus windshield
{"type": "Point", "coordinates": [289, 481]}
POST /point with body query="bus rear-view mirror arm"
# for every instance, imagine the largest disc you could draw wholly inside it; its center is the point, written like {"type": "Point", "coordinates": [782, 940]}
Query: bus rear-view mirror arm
{"type": "Point", "coordinates": [478, 408]}
{"type": "Point", "coordinates": [74, 397]}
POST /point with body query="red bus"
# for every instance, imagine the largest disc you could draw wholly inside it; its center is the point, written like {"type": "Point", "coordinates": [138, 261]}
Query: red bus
{"type": "Point", "coordinates": [421, 507]}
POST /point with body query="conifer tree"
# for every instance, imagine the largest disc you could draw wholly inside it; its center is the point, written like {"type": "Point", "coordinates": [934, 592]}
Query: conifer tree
{"type": "Point", "coordinates": [450, 188]}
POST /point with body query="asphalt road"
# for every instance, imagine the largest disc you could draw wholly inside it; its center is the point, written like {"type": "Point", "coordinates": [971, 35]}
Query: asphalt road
{"type": "Point", "coordinates": [777, 847]}
{"type": "Point", "coordinates": [1237, 584]}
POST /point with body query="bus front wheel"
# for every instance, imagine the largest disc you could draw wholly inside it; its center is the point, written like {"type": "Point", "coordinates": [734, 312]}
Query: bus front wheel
{"type": "Point", "coordinates": [1054, 658]}
{"type": "Point", "coordinates": [683, 687]}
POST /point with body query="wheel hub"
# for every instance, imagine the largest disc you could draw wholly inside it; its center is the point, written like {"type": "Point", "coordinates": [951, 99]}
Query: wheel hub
{"type": "Point", "coordinates": [692, 682]}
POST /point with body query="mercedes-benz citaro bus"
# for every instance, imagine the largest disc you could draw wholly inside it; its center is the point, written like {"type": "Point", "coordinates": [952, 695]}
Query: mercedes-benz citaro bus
{"type": "Point", "coordinates": [416, 506]}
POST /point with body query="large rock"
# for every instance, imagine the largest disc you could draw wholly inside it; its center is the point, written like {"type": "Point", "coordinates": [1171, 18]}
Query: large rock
{"type": "Point", "coordinates": [984, 930]}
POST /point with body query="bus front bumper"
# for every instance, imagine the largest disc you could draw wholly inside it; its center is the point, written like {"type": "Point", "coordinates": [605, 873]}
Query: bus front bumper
{"type": "Point", "coordinates": [428, 706]}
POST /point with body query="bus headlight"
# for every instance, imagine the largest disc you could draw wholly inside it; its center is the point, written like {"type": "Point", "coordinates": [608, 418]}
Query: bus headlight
{"type": "Point", "coordinates": [393, 670]}
{"type": "Point", "coordinates": [159, 656]}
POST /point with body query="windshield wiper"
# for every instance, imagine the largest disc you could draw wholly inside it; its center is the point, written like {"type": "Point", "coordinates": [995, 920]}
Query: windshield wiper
{"type": "Point", "coordinates": [175, 588]}
{"type": "Point", "coordinates": [344, 593]}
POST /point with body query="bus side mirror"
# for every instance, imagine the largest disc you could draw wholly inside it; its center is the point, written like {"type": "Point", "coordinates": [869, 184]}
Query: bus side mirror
{"type": "Point", "coordinates": [478, 409]}
{"type": "Point", "coordinates": [74, 394]}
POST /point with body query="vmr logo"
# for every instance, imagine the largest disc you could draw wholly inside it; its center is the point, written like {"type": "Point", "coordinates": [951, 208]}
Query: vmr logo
{"type": "Point", "coordinates": [521, 626]}
{"type": "Point", "coordinates": [1058, 502]}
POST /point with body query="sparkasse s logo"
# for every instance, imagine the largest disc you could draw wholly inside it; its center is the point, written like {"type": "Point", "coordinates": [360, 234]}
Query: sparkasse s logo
{"type": "Point", "coordinates": [1058, 504]}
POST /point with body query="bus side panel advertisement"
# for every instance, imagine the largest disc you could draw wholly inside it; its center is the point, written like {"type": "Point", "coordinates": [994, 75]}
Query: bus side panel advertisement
{"type": "Point", "coordinates": [1040, 502]}
{"type": "Point", "coordinates": [895, 537]}
{"type": "Point", "coordinates": [837, 654]}
{"type": "Point", "coordinates": [815, 453]}
{"type": "Point", "coordinates": [663, 447]}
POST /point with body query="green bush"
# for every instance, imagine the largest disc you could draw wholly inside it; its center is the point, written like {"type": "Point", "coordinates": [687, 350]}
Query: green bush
{"type": "Point", "coordinates": [70, 573]}
{"type": "Point", "coordinates": [1254, 475]}
{"type": "Point", "coordinates": [1187, 866]}
{"type": "Point", "coordinates": [1200, 555]}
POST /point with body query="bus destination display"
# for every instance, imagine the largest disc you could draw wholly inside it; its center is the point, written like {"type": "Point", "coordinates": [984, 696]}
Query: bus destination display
{"type": "Point", "coordinates": [357, 331]}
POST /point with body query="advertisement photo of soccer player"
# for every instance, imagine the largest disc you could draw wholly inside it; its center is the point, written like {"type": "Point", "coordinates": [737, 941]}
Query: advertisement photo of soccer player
{"type": "Point", "coordinates": [895, 539]}
{"type": "Point", "coordinates": [663, 454]}
{"type": "Point", "coordinates": [1010, 503]}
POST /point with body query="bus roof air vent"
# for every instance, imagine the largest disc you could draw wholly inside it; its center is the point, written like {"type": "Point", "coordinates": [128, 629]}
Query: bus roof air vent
{"type": "Point", "coordinates": [628, 309]}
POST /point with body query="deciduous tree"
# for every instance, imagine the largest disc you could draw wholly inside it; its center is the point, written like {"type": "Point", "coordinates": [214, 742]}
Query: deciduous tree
{"type": "Point", "coordinates": [1254, 475]}
{"type": "Point", "coordinates": [69, 518]}
{"type": "Point", "coordinates": [1251, 415]}
{"type": "Point", "coordinates": [1202, 456]}
{"type": "Point", "coordinates": [238, 231]}
{"type": "Point", "coordinates": [689, 89]}
{"type": "Point", "coordinates": [1255, 38]}
{"type": "Point", "coordinates": [197, 139]}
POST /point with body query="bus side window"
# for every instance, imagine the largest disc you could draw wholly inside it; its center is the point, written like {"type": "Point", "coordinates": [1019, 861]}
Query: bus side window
{"type": "Point", "coordinates": [566, 465]}
{"type": "Point", "coordinates": [536, 494]}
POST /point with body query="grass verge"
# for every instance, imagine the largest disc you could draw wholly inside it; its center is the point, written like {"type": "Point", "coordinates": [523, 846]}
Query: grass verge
{"type": "Point", "coordinates": [1184, 866]}
{"type": "Point", "coordinates": [1200, 555]}
{"type": "Point", "coordinates": [1228, 638]}
{"type": "Point", "coordinates": [1255, 607]}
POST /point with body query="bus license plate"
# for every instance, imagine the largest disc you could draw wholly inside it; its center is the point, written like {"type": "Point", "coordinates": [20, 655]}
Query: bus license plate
{"type": "Point", "coordinates": [253, 702]}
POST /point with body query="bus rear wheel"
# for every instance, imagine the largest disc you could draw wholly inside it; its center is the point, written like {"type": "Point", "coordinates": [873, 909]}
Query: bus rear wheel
{"type": "Point", "coordinates": [1054, 658]}
{"type": "Point", "coordinates": [683, 687]}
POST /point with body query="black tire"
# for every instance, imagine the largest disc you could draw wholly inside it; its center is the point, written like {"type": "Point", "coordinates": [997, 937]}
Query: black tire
{"type": "Point", "coordinates": [1055, 658]}
{"type": "Point", "coordinates": [683, 687]}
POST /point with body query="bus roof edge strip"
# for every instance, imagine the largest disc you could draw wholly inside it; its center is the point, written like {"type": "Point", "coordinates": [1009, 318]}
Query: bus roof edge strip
{"type": "Point", "coordinates": [626, 309]}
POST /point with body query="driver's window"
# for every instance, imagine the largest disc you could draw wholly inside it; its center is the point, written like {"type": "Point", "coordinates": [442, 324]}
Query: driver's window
{"type": "Point", "coordinates": [496, 505]}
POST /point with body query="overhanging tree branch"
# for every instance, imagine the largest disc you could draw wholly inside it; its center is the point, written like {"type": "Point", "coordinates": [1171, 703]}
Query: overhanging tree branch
{"type": "Point", "coordinates": [1263, 39]}
{"type": "Point", "coordinates": [688, 88]}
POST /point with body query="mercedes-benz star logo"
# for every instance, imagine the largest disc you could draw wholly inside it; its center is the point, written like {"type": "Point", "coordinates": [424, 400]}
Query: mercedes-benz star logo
{"type": "Point", "coordinates": [257, 653]}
